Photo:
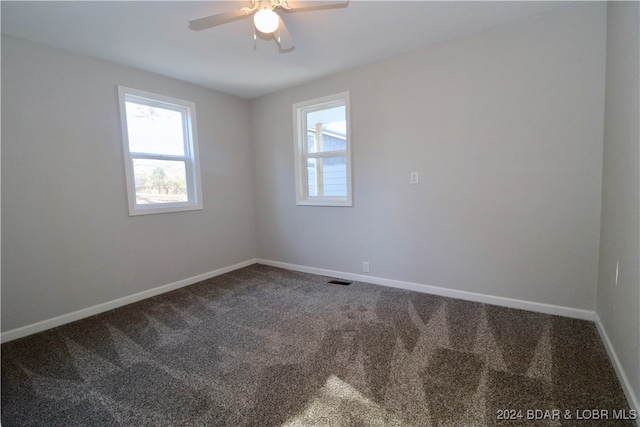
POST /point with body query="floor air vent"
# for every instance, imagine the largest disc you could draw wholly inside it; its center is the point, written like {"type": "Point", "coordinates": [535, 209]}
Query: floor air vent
{"type": "Point", "coordinates": [340, 282]}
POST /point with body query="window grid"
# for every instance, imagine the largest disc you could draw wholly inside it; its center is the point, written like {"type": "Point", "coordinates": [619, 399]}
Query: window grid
{"type": "Point", "coordinates": [183, 183]}
{"type": "Point", "coordinates": [323, 156]}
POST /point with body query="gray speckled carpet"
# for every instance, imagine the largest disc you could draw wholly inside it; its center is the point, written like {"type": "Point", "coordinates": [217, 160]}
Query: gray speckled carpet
{"type": "Point", "coordinates": [263, 346]}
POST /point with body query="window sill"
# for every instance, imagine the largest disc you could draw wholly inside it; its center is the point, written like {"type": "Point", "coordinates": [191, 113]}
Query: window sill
{"type": "Point", "coordinates": [325, 202]}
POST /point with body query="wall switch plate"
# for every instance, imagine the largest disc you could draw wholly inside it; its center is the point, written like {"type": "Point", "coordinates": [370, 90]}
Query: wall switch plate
{"type": "Point", "coordinates": [415, 178]}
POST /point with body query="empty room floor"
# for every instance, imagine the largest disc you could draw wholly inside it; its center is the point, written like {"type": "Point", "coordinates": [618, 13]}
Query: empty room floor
{"type": "Point", "coordinates": [263, 346]}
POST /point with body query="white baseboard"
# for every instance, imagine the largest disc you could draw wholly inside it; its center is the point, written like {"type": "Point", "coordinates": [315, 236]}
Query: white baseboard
{"type": "Point", "coordinates": [632, 398]}
{"type": "Point", "coordinates": [100, 308]}
{"type": "Point", "coordinates": [434, 290]}
{"type": "Point", "coordinates": [453, 293]}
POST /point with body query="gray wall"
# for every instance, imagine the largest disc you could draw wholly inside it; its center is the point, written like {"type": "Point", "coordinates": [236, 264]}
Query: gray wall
{"type": "Point", "coordinates": [505, 128]}
{"type": "Point", "coordinates": [68, 242]}
{"type": "Point", "coordinates": [619, 306]}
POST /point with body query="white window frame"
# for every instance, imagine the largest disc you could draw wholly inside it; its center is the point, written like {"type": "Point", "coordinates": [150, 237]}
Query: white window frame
{"type": "Point", "coordinates": [190, 157]}
{"type": "Point", "coordinates": [301, 154]}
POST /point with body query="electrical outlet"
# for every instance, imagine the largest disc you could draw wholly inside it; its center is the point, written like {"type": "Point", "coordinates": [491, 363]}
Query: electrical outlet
{"type": "Point", "coordinates": [415, 178]}
{"type": "Point", "coordinates": [365, 266]}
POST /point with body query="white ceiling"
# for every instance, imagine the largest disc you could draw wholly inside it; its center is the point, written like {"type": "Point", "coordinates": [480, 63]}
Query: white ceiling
{"type": "Point", "coordinates": [155, 36]}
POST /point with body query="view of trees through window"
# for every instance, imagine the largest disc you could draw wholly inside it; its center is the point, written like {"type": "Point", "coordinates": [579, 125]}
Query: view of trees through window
{"type": "Point", "coordinates": [156, 133]}
{"type": "Point", "coordinates": [159, 181]}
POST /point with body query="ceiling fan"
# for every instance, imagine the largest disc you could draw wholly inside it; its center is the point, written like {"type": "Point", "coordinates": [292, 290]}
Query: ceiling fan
{"type": "Point", "coordinates": [265, 18]}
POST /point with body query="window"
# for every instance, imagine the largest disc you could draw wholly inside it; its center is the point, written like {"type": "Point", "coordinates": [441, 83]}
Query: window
{"type": "Point", "coordinates": [323, 151]}
{"type": "Point", "coordinates": [160, 153]}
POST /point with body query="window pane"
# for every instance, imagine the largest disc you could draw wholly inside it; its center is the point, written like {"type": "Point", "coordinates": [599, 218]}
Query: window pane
{"type": "Point", "coordinates": [154, 130]}
{"type": "Point", "coordinates": [327, 177]}
{"type": "Point", "coordinates": [160, 181]}
{"type": "Point", "coordinates": [322, 148]}
{"type": "Point", "coordinates": [327, 130]}
{"type": "Point", "coordinates": [311, 177]}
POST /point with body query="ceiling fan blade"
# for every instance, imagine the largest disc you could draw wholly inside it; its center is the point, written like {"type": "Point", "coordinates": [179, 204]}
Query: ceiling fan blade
{"type": "Point", "coordinates": [283, 38]}
{"type": "Point", "coordinates": [220, 18]}
{"type": "Point", "coordinates": [304, 5]}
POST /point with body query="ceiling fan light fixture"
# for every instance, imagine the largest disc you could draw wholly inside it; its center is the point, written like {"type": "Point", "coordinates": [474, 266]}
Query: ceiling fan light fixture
{"type": "Point", "coordinates": [266, 20]}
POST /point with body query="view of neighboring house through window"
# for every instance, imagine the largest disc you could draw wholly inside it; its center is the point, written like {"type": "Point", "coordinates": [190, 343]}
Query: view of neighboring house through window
{"type": "Point", "coordinates": [323, 152]}
{"type": "Point", "coordinates": [160, 149]}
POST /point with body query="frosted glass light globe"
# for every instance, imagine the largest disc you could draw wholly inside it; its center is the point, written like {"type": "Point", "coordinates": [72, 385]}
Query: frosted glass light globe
{"type": "Point", "coordinates": [266, 21]}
